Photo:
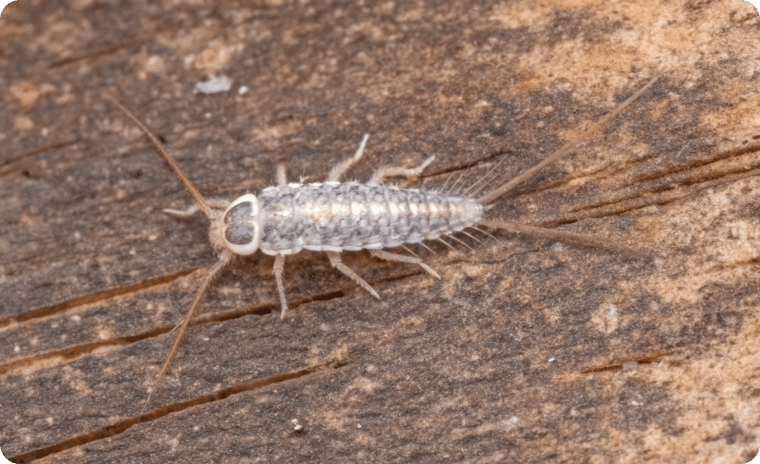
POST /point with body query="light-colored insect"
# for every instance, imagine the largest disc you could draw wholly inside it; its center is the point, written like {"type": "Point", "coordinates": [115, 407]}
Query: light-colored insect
{"type": "Point", "coordinates": [333, 217]}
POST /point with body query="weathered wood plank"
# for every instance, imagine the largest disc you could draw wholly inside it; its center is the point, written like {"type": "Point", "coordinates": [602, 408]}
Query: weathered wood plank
{"type": "Point", "coordinates": [525, 350]}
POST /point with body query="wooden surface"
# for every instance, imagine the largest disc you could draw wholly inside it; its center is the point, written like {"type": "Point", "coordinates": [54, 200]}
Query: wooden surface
{"type": "Point", "coordinates": [527, 350]}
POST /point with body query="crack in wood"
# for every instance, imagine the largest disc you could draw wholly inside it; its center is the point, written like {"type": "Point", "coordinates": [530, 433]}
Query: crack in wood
{"type": "Point", "coordinates": [93, 298]}
{"type": "Point", "coordinates": [122, 426]}
{"type": "Point", "coordinates": [623, 363]}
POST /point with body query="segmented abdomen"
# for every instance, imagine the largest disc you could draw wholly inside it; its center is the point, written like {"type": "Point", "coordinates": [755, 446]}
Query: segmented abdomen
{"type": "Point", "coordinates": [337, 216]}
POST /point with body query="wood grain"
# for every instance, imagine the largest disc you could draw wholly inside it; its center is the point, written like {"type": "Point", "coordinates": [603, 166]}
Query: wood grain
{"type": "Point", "coordinates": [527, 350]}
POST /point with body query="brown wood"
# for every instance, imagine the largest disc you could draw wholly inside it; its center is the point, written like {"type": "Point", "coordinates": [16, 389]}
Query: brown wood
{"type": "Point", "coordinates": [526, 351]}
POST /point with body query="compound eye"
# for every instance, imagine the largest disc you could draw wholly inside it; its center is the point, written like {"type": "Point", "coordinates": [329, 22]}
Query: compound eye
{"type": "Point", "coordinates": [240, 233]}
{"type": "Point", "coordinates": [238, 212]}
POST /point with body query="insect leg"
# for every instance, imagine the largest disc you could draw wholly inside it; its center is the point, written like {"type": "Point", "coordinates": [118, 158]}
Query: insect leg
{"type": "Point", "coordinates": [279, 260]}
{"type": "Point", "coordinates": [214, 203]}
{"type": "Point", "coordinates": [388, 256]}
{"type": "Point", "coordinates": [338, 264]}
{"type": "Point", "coordinates": [281, 177]}
{"type": "Point", "coordinates": [393, 171]}
{"type": "Point", "coordinates": [183, 213]}
{"type": "Point", "coordinates": [279, 265]}
{"type": "Point", "coordinates": [345, 165]}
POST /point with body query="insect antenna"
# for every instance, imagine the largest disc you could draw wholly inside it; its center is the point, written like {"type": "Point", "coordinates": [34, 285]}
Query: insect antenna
{"type": "Point", "coordinates": [568, 147]}
{"type": "Point", "coordinates": [223, 260]}
{"type": "Point", "coordinates": [185, 323]}
{"type": "Point", "coordinates": [224, 257]}
{"type": "Point", "coordinates": [165, 155]}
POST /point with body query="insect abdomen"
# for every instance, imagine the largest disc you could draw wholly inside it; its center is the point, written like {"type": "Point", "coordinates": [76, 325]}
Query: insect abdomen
{"type": "Point", "coordinates": [336, 216]}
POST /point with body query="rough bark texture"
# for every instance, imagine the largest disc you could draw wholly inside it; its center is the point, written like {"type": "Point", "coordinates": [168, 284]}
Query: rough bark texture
{"type": "Point", "coordinates": [527, 350]}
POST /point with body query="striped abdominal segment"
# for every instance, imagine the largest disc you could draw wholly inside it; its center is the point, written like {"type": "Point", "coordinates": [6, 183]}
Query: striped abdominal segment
{"type": "Point", "coordinates": [335, 216]}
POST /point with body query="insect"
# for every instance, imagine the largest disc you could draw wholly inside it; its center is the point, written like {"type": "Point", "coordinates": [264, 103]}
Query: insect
{"type": "Point", "coordinates": [334, 216]}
